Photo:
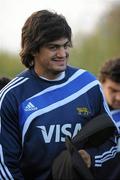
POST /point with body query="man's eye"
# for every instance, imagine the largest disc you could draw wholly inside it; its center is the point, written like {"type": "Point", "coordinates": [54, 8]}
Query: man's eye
{"type": "Point", "coordinates": [52, 47]}
{"type": "Point", "coordinates": [113, 91]}
{"type": "Point", "coordinates": [67, 46]}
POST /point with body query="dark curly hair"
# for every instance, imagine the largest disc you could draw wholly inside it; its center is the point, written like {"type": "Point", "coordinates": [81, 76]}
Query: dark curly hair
{"type": "Point", "coordinates": [39, 29]}
{"type": "Point", "coordinates": [110, 70]}
{"type": "Point", "coordinates": [4, 81]}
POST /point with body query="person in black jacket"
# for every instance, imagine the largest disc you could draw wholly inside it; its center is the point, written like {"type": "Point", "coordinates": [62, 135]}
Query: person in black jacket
{"type": "Point", "coordinates": [109, 76]}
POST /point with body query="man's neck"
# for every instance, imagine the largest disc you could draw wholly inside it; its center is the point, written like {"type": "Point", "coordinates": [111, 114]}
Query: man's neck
{"type": "Point", "coordinates": [58, 78]}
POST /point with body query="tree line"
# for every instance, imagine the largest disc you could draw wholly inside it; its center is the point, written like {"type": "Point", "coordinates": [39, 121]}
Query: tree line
{"type": "Point", "coordinates": [88, 52]}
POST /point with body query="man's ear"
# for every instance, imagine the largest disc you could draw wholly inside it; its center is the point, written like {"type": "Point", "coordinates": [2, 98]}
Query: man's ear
{"type": "Point", "coordinates": [34, 54]}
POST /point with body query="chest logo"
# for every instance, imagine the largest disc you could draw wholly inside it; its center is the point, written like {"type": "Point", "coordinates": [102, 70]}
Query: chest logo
{"type": "Point", "coordinates": [30, 107]}
{"type": "Point", "coordinates": [84, 111]}
{"type": "Point", "coordinates": [57, 133]}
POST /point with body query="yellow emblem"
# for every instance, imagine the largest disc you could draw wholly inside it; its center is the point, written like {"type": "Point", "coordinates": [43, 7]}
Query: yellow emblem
{"type": "Point", "coordinates": [83, 111]}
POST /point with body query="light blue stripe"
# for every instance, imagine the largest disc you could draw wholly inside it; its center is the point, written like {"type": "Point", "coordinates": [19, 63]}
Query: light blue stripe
{"type": "Point", "coordinates": [105, 156]}
{"type": "Point", "coordinates": [55, 95]}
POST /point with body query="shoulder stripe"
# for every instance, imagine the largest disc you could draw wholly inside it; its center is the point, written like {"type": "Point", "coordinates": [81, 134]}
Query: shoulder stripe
{"type": "Point", "coordinates": [13, 81]}
{"type": "Point", "coordinates": [105, 156]}
{"type": "Point", "coordinates": [12, 85]}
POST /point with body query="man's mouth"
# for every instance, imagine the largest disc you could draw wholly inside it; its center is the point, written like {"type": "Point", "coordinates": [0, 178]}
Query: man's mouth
{"type": "Point", "coordinates": [59, 60]}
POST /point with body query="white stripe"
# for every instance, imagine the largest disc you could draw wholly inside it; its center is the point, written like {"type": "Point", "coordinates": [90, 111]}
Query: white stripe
{"type": "Point", "coordinates": [105, 156]}
{"type": "Point", "coordinates": [99, 163]}
{"type": "Point", "coordinates": [118, 145]}
{"type": "Point", "coordinates": [115, 111]}
{"type": "Point", "coordinates": [56, 105]}
{"type": "Point", "coordinates": [10, 84]}
{"type": "Point", "coordinates": [118, 122]}
{"type": "Point", "coordinates": [5, 167]}
{"type": "Point", "coordinates": [109, 156]}
{"type": "Point", "coordinates": [105, 103]}
{"type": "Point", "coordinates": [6, 89]}
{"type": "Point", "coordinates": [118, 126]}
{"type": "Point", "coordinates": [107, 152]}
{"type": "Point", "coordinates": [22, 81]}
{"type": "Point", "coordinates": [75, 75]}
{"type": "Point", "coordinates": [3, 173]}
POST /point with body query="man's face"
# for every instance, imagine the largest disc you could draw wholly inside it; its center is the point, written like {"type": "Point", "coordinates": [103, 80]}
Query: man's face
{"type": "Point", "coordinates": [112, 92]}
{"type": "Point", "coordinates": [52, 58]}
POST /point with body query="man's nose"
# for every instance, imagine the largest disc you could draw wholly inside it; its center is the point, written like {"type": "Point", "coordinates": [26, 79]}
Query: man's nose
{"type": "Point", "coordinates": [61, 52]}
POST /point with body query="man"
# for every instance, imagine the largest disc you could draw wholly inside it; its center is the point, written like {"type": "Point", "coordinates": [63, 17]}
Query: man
{"type": "Point", "coordinates": [110, 78]}
{"type": "Point", "coordinates": [4, 81]}
{"type": "Point", "coordinates": [47, 102]}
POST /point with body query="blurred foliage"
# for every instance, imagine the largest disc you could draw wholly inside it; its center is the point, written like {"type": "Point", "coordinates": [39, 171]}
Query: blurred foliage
{"type": "Point", "coordinates": [104, 43]}
{"type": "Point", "coordinates": [10, 64]}
{"type": "Point", "coordinates": [89, 51]}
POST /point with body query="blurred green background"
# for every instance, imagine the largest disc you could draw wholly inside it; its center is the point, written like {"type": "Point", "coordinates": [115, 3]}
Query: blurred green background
{"type": "Point", "coordinates": [89, 50]}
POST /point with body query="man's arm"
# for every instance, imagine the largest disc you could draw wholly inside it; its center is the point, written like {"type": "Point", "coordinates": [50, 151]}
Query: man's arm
{"type": "Point", "coordinates": [10, 140]}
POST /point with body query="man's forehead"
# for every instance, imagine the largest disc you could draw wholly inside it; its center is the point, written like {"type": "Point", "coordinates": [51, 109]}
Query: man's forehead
{"type": "Point", "coordinates": [59, 41]}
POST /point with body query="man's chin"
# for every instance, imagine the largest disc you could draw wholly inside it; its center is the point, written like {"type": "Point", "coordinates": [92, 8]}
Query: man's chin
{"type": "Point", "coordinates": [59, 70]}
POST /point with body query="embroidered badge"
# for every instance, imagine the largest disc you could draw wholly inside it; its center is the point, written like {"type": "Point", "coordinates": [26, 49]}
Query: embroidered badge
{"type": "Point", "coordinates": [84, 111]}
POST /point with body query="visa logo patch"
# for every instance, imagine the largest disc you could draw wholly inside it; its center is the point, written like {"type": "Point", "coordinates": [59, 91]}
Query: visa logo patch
{"type": "Point", "coordinates": [57, 133]}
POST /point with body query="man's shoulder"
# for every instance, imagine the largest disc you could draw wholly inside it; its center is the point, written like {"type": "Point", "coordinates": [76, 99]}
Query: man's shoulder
{"type": "Point", "coordinates": [81, 72]}
{"type": "Point", "coordinates": [16, 84]}
{"type": "Point", "coordinates": [25, 73]}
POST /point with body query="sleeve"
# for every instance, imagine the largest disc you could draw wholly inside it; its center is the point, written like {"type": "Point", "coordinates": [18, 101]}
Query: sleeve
{"type": "Point", "coordinates": [10, 138]}
{"type": "Point", "coordinates": [108, 149]}
{"type": "Point", "coordinates": [102, 153]}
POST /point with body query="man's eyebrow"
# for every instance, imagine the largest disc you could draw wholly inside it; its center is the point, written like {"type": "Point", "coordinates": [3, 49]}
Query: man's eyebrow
{"type": "Point", "coordinates": [113, 89]}
{"type": "Point", "coordinates": [57, 44]}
